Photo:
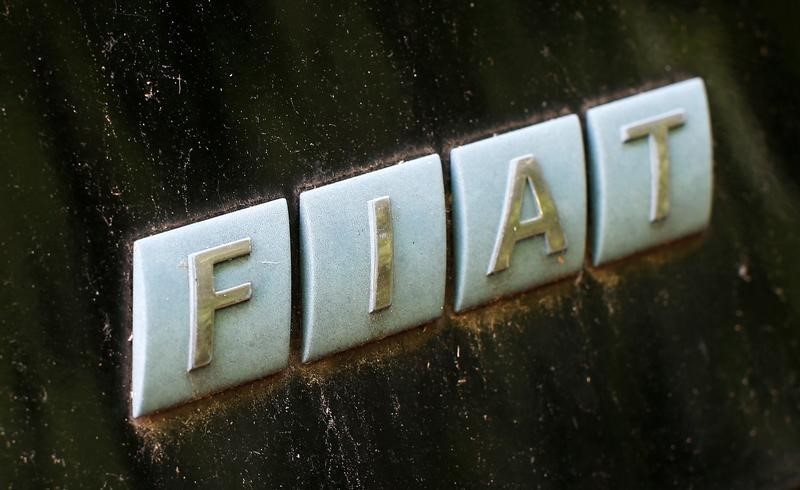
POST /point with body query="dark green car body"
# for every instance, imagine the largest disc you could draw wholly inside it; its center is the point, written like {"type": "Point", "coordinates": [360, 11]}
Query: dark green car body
{"type": "Point", "coordinates": [678, 368]}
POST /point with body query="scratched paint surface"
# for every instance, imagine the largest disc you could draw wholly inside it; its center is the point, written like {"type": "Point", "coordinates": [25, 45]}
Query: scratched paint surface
{"type": "Point", "coordinates": [679, 367]}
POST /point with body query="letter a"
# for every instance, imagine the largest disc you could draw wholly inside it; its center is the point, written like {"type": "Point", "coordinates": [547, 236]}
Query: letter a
{"type": "Point", "coordinates": [525, 172]}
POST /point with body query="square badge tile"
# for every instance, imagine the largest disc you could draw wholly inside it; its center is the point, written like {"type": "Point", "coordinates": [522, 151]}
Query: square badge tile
{"type": "Point", "coordinates": [373, 255]}
{"type": "Point", "coordinates": [519, 210]}
{"type": "Point", "coordinates": [211, 306]}
{"type": "Point", "coordinates": [650, 169]}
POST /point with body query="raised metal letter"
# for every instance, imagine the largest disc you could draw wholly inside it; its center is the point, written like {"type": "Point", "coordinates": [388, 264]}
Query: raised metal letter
{"type": "Point", "coordinates": [382, 253]}
{"type": "Point", "coordinates": [205, 300]}
{"type": "Point", "coordinates": [657, 129]}
{"type": "Point", "coordinates": [525, 170]}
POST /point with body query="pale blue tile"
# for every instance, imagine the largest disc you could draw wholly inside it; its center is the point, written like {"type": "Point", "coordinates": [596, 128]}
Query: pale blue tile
{"type": "Point", "coordinates": [335, 241]}
{"type": "Point", "coordinates": [620, 172]}
{"type": "Point", "coordinates": [480, 172]}
{"type": "Point", "coordinates": [251, 339]}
